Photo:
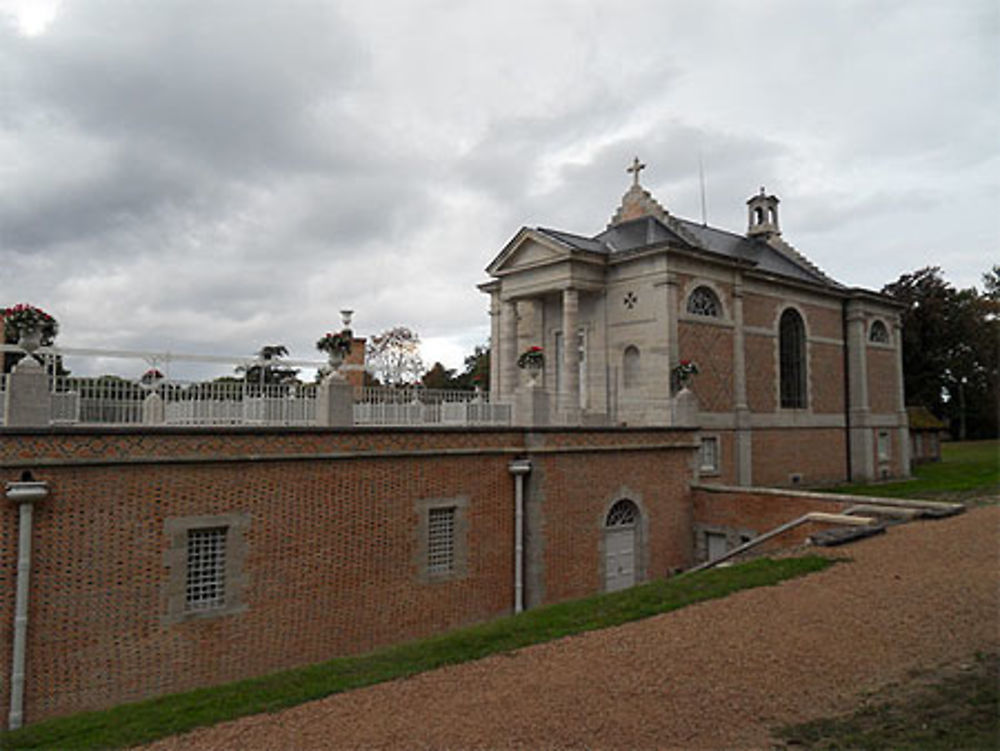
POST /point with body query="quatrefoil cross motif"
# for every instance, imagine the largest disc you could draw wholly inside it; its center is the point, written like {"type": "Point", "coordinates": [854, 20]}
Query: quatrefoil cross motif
{"type": "Point", "coordinates": [631, 300]}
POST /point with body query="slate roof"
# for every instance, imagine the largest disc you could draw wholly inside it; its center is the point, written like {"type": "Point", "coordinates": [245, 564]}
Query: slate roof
{"type": "Point", "coordinates": [650, 231]}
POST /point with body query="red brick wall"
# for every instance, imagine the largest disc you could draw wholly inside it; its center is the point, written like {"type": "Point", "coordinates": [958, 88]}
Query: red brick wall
{"type": "Point", "coordinates": [826, 378]}
{"type": "Point", "coordinates": [331, 563]}
{"type": "Point", "coordinates": [711, 347]}
{"type": "Point", "coordinates": [761, 372]}
{"type": "Point", "coordinates": [818, 454]}
{"type": "Point", "coordinates": [883, 390]}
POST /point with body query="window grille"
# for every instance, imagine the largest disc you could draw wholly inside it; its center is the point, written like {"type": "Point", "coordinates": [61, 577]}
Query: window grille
{"type": "Point", "coordinates": [206, 569]}
{"type": "Point", "coordinates": [792, 346]}
{"type": "Point", "coordinates": [704, 302]}
{"type": "Point", "coordinates": [709, 454]}
{"type": "Point", "coordinates": [878, 333]}
{"type": "Point", "coordinates": [441, 540]}
{"type": "Point", "coordinates": [622, 514]}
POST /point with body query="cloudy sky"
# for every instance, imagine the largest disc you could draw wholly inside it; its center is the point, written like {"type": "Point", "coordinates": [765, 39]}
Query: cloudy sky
{"type": "Point", "coordinates": [213, 176]}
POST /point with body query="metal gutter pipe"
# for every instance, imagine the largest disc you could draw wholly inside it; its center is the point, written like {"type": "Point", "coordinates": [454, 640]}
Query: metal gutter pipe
{"type": "Point", "coordinates": [25, 494]}
{"type": "Point", "coordinates": [519, 468]}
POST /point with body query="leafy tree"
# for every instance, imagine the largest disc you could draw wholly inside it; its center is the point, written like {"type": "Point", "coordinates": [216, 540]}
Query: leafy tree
{"type": "Point", "coordinates": [267, 369]}
{"type": "Point", "coordinates": [393, 357]}
{"type": "Point", "coordinates": [477, 370]}
{"type": "Point", "coordinates": [950, 349]}
{"type": "Point", "coordinates": [439, 377]}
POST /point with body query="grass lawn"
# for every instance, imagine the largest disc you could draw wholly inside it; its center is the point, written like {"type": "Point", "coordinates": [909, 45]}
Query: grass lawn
{"type": "Point", "coordinates": [132, 724]}
{"type": "Point", "coordinates": [955, 708]}
{"type": "Point", "coordinates": [967, 471]}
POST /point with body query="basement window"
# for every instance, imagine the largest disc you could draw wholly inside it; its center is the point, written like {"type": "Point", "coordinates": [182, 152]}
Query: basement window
{"type": "Point", "coordinates": [884, 446]}
{"type": "Point", "coordinates": [206, 569]}
{"type": "Point", "coordinates": [441, 541]}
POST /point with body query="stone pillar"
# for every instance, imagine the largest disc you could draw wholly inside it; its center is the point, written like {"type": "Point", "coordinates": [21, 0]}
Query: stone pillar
{"type": "Point", "coordinates": [904, 420]}
{"type": "Point", "coordinates": [862, 446]}
{"type": "Point", "coordinates": [28, 403]}
{"type": "Point", "coordinates": [495, 342]}
{"type": "Point", "coordinates": [744, 434]}
{"type": "Point", "coordinates": [569, 389]}
{"type": "Point", "coordinates": [334, 403]}
{"type": "Point", "coordinates": [153, 410]}
{"type": "Point", "coordinates": [508, 348]}
{"type": "Point", "coordinates": [673, 346]}
{"type": "Point", "coordinates": [531, 406]}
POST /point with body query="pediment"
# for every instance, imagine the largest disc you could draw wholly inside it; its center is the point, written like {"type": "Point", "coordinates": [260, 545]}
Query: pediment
{"type": "Point", "coordinates": [528, 249]}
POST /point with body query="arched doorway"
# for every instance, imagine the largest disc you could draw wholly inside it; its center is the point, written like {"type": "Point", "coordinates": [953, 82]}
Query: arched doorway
{"type": "Point", "coordinates": [621, 528]}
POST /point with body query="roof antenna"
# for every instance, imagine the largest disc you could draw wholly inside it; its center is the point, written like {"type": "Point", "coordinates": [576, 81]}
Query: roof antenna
{"type": "Point", "coordinates": [701, 175]}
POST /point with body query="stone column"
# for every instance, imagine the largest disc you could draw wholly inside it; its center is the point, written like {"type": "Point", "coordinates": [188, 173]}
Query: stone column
{"type": "Point", "coordinates": [862, 447]}
{"type": "Point", "coordinates": [508, 348]}
{"type": "Point", "coordinates": [744, 434]}
{"type": "Point", "coordinates": [569, 389]}
{"type": "Point", "coordinates": [904, 420]}
{"type": "Point", "coordinates": [673, 346]}
{"type": "Point", "coordinates": [495, 342]}
{"type": "Point", "coordinates": [335, 402]}
{"type": "Point", "coordinates": [28, 402]}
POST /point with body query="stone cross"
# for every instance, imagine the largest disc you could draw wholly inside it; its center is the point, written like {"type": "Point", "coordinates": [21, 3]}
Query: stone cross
{"type": "Point", "coordinates": [634, 170]}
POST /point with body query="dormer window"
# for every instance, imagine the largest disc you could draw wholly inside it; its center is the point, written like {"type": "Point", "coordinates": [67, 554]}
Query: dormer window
{"type": "Point", "coordinates": [704, 302]}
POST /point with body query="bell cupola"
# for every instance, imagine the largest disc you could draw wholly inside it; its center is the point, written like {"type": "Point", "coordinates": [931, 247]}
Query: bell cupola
{"type": "Point", "coordinates": [762, 211]}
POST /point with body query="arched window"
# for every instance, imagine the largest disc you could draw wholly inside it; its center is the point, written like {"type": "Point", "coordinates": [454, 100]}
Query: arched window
{"type": "Point", "coordinates": [704, 302]}
{"type": "Point", "coordinates": [792, 354]}
{"type": "Point", "coordinates": [630, 366]}
{"type": "Point", "coordinates": [623, 514]}
{"type": "Point", "coordinates": [878, 333]}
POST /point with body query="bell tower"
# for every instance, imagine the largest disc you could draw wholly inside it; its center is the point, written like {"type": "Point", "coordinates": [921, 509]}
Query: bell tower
{"type": "Point", "coordinates": [762, 211]}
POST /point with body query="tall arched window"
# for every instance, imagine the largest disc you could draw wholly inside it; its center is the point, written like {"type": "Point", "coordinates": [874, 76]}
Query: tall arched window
{"type": "Point", "coordinates": [704, 302]}
{"type": "Point", "coordinates": [630, 366]}
{"type": "Point", "coordinates": [792, 353]}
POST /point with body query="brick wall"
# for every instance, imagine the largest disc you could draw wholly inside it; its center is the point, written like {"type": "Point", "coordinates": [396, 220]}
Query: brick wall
{"type": "Point", "coordinates": [332, 558]}
{"type": "Point", "coordinates": [883, 388]}
{"type": "Point", "coordinates": [817, 454]}
{"type": "Point", "coordinates": [751, 513]}
{"type": "Point", "coordinates": [711, 347]}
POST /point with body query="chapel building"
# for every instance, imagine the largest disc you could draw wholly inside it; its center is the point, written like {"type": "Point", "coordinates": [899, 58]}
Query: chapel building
{"type": "Point", "coordinates": [800, 377]}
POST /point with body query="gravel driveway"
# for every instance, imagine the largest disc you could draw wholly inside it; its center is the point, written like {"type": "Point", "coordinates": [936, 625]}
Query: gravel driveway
{"type": "Point", "coordinates": [715, 675]}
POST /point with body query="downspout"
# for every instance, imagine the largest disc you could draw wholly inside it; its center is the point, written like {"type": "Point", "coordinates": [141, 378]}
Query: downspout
{"type": "Point", "coordinates": [25, 494]}
{"type": "Point", "coordinates": [519, 468]}
{"type": "Point", "coordinates": [847, 389]}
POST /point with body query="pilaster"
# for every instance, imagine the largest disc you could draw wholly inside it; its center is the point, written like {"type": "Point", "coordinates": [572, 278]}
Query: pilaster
{"type": "Point", "coordinates": [569, 389]}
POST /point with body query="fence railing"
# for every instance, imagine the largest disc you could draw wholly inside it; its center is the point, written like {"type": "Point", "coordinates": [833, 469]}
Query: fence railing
{"type": "Point", "coordinates": [419, 406]}
{"type": "Point", "coordinates": [116, 401]}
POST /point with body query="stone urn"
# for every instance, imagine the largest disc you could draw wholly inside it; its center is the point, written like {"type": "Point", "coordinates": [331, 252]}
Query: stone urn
{"type": "Point", "coordinates": [534, 372]}
{"type": "Point", "coordinates": [29, 339]}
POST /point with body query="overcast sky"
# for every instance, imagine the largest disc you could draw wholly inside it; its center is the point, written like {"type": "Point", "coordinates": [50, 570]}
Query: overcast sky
{"type": "Point", "coordinates": [214, 176]}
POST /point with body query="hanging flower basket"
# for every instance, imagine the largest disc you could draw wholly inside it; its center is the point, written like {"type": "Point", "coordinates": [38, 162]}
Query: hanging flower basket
{"type": "Point", "coordinates": [685, 371]}
{"type": "Point", "coordinates": [31, 326]}
{"type": "Point", "coordinates": [336, 345]}
{"type": "Point", "coordinates": [151, 379]}
{"type": "Point", "coordinates": [532, 358]}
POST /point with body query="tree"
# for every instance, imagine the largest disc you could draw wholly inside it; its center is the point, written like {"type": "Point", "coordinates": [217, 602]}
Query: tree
{"type": "Point", "coordinates": [439, 377]}
{"type": "Point", "coordinates": [477, 370]}
{"type": "Point", "coordinates": [266, 370]}
{"type": "Point", "coordinates": [393, 357]}
{"type": "Point", "coordinates": [950, 349]}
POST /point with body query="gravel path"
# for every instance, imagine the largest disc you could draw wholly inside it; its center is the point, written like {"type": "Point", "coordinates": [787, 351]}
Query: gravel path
{"type": "Point", "coordinates": [715, 675]}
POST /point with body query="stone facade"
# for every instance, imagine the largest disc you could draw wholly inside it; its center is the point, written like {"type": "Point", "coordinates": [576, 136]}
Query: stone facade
{"type": "Point", "coordinates": [800, 377]}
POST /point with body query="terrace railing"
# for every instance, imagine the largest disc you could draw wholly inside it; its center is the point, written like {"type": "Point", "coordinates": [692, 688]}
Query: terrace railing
{"type": "Point", "coordinates": [420, 406]}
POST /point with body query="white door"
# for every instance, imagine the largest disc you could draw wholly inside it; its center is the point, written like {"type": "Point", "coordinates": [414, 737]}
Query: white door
{"type": "Point", "coordinates": [716, 545]}
{"type": "Point", "coordinates": [619, 564]}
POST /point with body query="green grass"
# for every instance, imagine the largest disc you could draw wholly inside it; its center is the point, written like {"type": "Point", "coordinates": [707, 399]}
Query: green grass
{"type": "Point", "coordinates": [132, 724]}
{"type": "Point", "coordinates": [956, 709]}
{"type": "Point", "coordinates": [967, 471]}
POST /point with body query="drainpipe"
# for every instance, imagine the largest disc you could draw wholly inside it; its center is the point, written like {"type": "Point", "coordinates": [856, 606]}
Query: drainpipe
{"type": "Point", "coordinates": [25, 494]}
{"type": "Point", "coordinates": [519, 468]}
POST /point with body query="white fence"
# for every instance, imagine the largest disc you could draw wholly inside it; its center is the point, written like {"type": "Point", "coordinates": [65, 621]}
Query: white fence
{"type": "Point", "coordinates": [419, 406]}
